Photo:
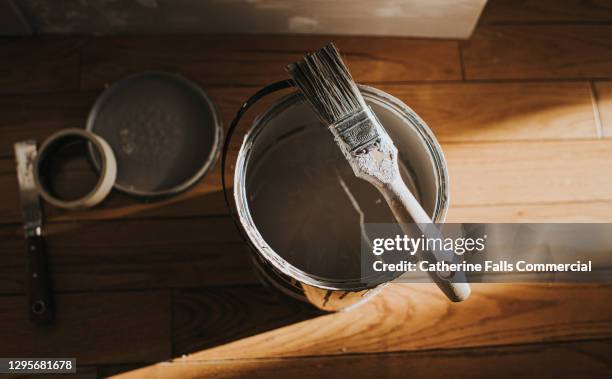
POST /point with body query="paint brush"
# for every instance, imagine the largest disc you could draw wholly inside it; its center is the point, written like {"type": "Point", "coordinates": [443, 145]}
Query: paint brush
{"type": "Point", "coordinates": [328, 86]}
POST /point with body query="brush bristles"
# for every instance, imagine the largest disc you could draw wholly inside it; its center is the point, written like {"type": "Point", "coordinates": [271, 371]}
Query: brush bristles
{"type": "Point", "coordinates": [327, 84]}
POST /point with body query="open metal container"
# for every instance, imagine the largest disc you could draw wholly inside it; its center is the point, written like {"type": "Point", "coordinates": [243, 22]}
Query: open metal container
{"type": "Point", "coordinates": [300, 207]}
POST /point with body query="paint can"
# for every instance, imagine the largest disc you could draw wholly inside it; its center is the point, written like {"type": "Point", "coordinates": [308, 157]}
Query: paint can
{"type": "Point", "coordinates": [302, 210]}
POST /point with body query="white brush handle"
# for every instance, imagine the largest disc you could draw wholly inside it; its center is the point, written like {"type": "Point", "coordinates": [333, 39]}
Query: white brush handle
{"type": "Point", "coordinates": [402, 202]}
{"type": "Point", "coordinates": [373, 157]}
{"type": "Point", "coordinates": [407, 210]}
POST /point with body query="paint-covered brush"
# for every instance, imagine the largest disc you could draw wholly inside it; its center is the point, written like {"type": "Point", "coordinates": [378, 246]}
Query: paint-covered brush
{"type": "Point", "coordinates": [328, 86]}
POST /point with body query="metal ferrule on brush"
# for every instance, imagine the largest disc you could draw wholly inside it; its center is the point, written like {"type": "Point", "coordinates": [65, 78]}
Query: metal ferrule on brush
{"type": "Point", "coordinates": [358, 131]}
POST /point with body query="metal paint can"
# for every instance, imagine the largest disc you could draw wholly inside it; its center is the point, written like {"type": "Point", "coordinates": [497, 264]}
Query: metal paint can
{"type": "Point", "coordinates": [300, 207]}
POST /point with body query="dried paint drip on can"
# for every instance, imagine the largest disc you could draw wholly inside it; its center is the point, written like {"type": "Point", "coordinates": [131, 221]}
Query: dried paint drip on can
{"type": "Point", "coordinates": [303, 209]}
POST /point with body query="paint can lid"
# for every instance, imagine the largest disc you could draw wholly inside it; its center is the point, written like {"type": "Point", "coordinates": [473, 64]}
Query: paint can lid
{"type": "Point", "coordinates": [164, 130]}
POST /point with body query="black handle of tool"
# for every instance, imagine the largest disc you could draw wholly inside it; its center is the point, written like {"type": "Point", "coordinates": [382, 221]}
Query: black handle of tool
{"type": "Point", "coordinates": [40, 302]}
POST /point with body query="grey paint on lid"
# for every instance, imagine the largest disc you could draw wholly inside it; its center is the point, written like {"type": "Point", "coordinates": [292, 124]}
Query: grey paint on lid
{"type": "Point", "coordinates": [164, 130]}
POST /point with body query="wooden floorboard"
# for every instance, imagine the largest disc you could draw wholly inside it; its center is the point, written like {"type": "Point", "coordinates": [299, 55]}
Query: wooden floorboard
{"type": "Point", "coordinates": [258, 60]}
{"type": "Point", "coordinates": [211, 317]}
{"type": "Point", "coordinates": [585, 211]}
{"type": "Point", "coordinates": [39, 64]}
{"type": "Point", "coordinates": [538, 52]}
{"type": "Point", "coordinates": [576, 360]}
{"type": "Point", "coordinates": [404, 317]}
{"type": "Point", "coordinates": [37, 115]}
{"type": "Point", "coordinates": [137, 254]}
{"type": "Point", "coordinates": [502, 111]}
{"type": "Point", "coordinates": [529, 172]}
{"type": "Point", "coordinates": [546, 11]}
{"type": "Point", "coordinates": [603, 92]}
{"type": "Point", "coordinates": [93, 328]}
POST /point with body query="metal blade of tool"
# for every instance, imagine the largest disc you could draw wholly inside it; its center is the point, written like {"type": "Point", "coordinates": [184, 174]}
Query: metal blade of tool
{"type": "Point", "coordinates": [25, 155]}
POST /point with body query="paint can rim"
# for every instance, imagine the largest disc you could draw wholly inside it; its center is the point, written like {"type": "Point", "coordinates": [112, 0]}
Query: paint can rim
{"type": "Point", "coordinates": [246, 222]}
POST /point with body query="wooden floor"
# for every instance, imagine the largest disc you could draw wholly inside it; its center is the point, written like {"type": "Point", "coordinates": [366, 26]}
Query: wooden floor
{"type": "Point", "coordinates": [523, 111]}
